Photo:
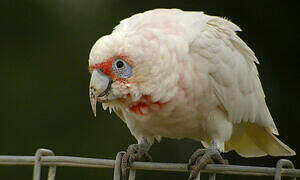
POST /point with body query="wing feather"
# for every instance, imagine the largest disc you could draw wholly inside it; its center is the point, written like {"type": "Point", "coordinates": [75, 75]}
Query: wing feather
{"type": "Point", "coordinates": [233, 72]}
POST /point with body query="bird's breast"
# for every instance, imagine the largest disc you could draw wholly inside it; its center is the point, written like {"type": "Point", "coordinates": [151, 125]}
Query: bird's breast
{"type": "Point", "coordinates": [178, 118]}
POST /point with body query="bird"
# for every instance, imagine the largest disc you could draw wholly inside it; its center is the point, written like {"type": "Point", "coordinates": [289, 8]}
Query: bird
{"type": "Point", "coordinates": [183, 74]}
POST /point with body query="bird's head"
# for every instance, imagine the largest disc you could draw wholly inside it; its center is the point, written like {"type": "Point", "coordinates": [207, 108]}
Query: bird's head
{"type": "Point", "coordinates": [126, 67]}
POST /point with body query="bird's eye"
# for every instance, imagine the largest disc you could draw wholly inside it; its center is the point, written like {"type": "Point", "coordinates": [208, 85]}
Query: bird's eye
{"type": "Point", "coordinates": [121, 68]}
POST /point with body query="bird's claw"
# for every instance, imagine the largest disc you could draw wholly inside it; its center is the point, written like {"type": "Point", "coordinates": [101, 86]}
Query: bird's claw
{"type": "Point", "coordinates": [202, 157]}
{"type": "Point", "coordinates": [135, 152]}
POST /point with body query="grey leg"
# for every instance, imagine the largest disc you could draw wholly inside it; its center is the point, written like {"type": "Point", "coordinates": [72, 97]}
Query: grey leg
{"type": "Point", "coordinates": [135, 152]}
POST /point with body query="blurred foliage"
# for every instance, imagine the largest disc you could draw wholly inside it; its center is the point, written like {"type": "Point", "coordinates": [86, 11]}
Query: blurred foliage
{"type": "Point", "coordinates": [44, 79]}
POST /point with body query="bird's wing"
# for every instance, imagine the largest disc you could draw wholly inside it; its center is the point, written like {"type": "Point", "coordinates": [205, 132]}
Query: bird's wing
{"type": "Point", "coordinates": [233, 72]}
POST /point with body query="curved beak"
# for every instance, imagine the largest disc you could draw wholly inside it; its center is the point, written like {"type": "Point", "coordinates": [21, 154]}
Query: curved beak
{"type": "Point", "coordinates": [99, 86]}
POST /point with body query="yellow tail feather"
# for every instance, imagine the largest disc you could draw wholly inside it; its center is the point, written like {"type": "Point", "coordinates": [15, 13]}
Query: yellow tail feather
{"type": "Point", "coordinates": [254, 141]}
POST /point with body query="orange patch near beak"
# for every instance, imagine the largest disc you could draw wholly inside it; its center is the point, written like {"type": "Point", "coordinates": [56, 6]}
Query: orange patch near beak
{"type": "Point", "coordinates": [106, 68]}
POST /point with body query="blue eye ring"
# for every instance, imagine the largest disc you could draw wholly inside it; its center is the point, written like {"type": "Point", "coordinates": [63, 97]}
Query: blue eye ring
{"type": "Point", "coordinates": [121, 68]}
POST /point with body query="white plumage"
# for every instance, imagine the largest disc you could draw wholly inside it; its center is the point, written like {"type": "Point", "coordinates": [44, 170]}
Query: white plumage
{"type": "Point", "coordinates": [193, 77]}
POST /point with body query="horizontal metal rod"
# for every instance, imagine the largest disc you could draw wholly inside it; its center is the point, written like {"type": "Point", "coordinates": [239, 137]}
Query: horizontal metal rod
{"type": "Point", "coordinates": [178, 167]}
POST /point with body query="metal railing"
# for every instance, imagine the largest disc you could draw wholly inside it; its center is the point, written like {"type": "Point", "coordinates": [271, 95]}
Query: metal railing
{"type": "Point", "coordinates": [45, 157]}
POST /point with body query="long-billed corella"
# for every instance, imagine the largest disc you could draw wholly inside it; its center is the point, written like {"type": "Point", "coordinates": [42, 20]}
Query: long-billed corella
{"type": "Point", "coordinates": [177, 74]}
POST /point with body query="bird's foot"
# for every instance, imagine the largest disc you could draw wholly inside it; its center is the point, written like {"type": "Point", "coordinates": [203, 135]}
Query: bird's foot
{"type": "Point", "coordinates": [202, 157]}
{"type": "Point", "coordinates": [135, 152]}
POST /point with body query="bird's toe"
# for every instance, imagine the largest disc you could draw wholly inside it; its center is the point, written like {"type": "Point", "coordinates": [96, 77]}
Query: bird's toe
{"type": "Point", "coordinates": [201, 158]}
{"type": "Point", "coordinates": [135, 152]}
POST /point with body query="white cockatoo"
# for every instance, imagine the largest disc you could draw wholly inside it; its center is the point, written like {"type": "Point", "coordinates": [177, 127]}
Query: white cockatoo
{"type": "Point", "coordinates": [177, 74]}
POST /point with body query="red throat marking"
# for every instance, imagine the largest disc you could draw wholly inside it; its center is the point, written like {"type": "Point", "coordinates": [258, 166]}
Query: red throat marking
{"type": "Point", "coordinates": [145, 103]}
{"type": "Point", "coordinates": [138, 108]}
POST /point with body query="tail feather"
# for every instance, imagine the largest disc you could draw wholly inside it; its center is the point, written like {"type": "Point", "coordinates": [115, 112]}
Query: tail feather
{"type": "Point", "coordinates": [254, 141]}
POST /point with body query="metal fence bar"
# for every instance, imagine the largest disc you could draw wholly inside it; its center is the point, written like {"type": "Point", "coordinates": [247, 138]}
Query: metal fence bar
{"type": "Point", "coordinates": [37, 164]}
{"type": "Point", "coordinates": [212, 176]}
{"type": "Point", "coordinates": [132, 173]}
{"type": "Point", "coordinates": [198, 177]}
{"type": "Point", "coordinates": [283, 163]}
{"type": "Point", "coordinates": [16, 160]}
{"type": "Point", "coordinates": [178, 167]}
{"type": "Point", "coordinates": [58, 161]}
{"type": "Point", "coordinates": [117, 167]}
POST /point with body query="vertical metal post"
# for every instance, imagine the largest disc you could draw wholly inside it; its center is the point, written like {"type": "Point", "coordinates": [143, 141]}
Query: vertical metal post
{"type": "Point", "coordinates": [117, 169]}
{"type": "Point", "coordinates": [283, 163]}
{"type": "Point", "coordinates": [132, 174]}
{"type": "Point", "coordinates": [37, 164]}
{"type": "Point", "coordinates": [212, 176]}
{"type": "Point", "coordinates": [198, 176]}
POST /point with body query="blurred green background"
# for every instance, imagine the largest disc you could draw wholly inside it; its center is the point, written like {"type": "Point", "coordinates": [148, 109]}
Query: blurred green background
{"type": "Point", "coordinates": [44, 80]}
